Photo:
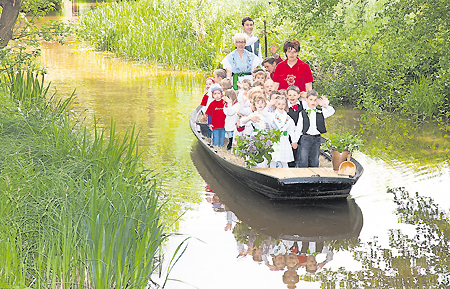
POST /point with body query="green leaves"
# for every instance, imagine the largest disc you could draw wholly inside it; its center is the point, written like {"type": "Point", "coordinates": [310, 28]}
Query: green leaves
{"type": "Point", "coordinates": [257, 147]}
{"type": "Point", "coordinates": [342, 142]}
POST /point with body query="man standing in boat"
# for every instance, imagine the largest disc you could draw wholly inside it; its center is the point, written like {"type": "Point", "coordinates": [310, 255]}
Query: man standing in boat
{"type": "Point", "coordinates": [253, 44]}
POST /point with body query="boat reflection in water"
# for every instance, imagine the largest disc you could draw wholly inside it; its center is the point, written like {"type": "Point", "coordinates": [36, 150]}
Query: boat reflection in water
{"type": "Point", "coordinates": [293, 237]}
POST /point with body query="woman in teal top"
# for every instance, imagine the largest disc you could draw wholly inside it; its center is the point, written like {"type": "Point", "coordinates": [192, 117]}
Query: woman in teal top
{"type": "Point", "coordinates": [240, 63]}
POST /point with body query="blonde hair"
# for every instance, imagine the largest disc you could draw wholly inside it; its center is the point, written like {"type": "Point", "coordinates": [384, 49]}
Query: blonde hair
{"type": "Point", "coordinates": [256, 98]}
{"type": "Point", "coordinates": [279, 96]}
{"type": "Point", "coordinates": [253, 91]}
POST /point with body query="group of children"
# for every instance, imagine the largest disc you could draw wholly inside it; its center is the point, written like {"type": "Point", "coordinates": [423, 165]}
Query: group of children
{"type": "Point", "coordinates": [256, 106]}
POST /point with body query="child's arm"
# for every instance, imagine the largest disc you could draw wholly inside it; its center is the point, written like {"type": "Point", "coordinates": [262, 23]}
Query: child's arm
{"type": "Point", "coordinates": [327, 110]}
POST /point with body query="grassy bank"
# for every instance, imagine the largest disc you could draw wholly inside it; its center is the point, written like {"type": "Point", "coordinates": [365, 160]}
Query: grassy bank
{"type": "Point", "coordinates": [75, 209]}
{"type": "Point", "coordinates": [181, 34]}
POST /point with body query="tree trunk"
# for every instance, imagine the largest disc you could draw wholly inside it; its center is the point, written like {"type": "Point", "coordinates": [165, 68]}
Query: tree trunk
{"type": "Point", "coordinates": [8, 18]}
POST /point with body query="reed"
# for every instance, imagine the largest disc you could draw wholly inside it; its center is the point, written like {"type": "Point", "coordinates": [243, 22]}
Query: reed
{"type": "Point", "coordinates": [75, 210]}
{"type": "Point", "coordinates": [179, 34]}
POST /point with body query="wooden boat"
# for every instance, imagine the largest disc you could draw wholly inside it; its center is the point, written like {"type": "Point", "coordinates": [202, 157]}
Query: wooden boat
{"type": "Point", "coordinates": [311, 220]}
{"type": "Point", "coordinates": [282, 183]}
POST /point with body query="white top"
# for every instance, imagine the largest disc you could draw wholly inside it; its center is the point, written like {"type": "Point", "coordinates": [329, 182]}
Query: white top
{"type": "Point", "coordinates": [252, 40]}
{"type": "Point", "coordinates": [328, 111]}
{"type": "Point", "coordinates": [231, 116]}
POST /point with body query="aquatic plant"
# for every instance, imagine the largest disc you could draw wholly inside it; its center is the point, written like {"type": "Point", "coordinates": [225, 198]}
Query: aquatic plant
{"type": "Point", "coordinates": [180, 34]}
{"type": "Point", "coordinates": [342, 142]}
{"type": "Point", "coordinates": [76, 209]}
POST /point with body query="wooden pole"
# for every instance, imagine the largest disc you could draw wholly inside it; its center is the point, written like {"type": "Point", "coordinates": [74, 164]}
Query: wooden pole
{"type": "Point", "coordinates": [265, 39]}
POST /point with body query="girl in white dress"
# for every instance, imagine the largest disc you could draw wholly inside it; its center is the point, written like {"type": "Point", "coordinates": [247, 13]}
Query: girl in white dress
{"type": "Point", "coordinates": [282, 121]}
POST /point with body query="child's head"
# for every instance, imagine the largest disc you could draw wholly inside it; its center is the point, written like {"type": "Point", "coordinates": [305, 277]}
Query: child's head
{"type": "Point", "coordinates": [281, 103]}
{"type": "Point", "coordinates": [283, 92]}
{"type": "Point", "coordinates": [268, 86]}
{"type": "Point", "coordinates": [311, 264]}
{"type": "Point", "coordinates": [259, 75]}
{"type": "Point", "coordinates": [254, 91]}
{"type": "Point", "coordinates": [226, 84]}
{"type": "Point", "coordinates": [208, 82]}
{"type": "Point", "coordinates": [219, 74]}
{"type": "Point", "coordinates": [216, 91]}
{"type": "Point", "coordinates": [258, 84]}
{"type": "Point", "coordinates": [259, 102]}
{"type": "Point", "coordinates": [293, 94]}
{"type": "Point", "coordinates": [292, 261]}
{"type": "Point", "coordinates": [230, 95]}
{"type": "Point", "coordinates": [279, 262]}
{"type": "Point", "coordinates": [246, 84]}
{"type": "Point", "coordinates": [311, 98]}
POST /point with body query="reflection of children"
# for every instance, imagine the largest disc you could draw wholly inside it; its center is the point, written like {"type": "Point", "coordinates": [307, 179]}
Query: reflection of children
{"type": "Point", "coordinates": [290, 277]}
{"type": "Point", "coordinates": [216, 117]}
{"type": "Point", "coordinates": [312, 122]}
{"type": "Point", "coordinates": [292, 261]}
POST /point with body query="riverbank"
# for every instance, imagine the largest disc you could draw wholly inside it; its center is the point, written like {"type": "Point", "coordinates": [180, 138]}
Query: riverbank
{"type": "Point", "coordinates": [75, 208]}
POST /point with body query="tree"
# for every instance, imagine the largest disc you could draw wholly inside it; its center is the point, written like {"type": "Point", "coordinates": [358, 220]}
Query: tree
{"type": "Point", "coordinates": [8, 17]}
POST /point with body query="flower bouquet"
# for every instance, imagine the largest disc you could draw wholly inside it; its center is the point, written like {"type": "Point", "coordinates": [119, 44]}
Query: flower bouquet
{"type": "Point", "coordinates": [258, 147]}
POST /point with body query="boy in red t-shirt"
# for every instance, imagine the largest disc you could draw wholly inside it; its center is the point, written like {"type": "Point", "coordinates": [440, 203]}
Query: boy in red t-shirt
{"type": "Point", "coordinates": [216, 116]}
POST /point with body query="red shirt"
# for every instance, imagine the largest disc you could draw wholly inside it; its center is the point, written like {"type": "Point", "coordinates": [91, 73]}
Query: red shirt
{"type": "Point", "coordinates": [298, 75]}
{"type": "Point", "coordinates": [204, 100]}
{"type": "Point", "coordinates": [215, 109]}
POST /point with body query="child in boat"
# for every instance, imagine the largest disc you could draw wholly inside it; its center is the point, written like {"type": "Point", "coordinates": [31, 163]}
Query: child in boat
{"type": "Point", "coordinates": [218, 76]}
{"type": "Point", "coordinates": [243, 86]}
{"type": "Point", "coordinates": [258, 84]}
{"type": "Point", "coordinates": [260, 118]}
{"type": "Point", "coordinates": [231, 114]}
{"type": "Point", "coordinates": [282, 153]}
{"type": "Point", "coordinates": [259, 75]}
{"type": "Point", "coordinates": [216, 116]}
{"type": "Point", "coordinates": [311, 124]}
{"type": "Point", "coordinates": [206, 100]}
{"type": "Point", "coordinates": [226, 84]}
{"type": "Point", "coordinates": [268, 88]}
{"type": "Point", "coordinates": [246, 104]}
{"type": "Point", "coordinates": [296, 105]}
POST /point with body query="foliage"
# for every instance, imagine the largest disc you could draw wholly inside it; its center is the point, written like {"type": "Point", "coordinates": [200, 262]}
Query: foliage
{"type": "Point", "coordinates": [75, 209]}
{"type": "Point", "coordinates": [257, 147]}
{"type": "Point", "coordinates": [342, 142]}
{"type": "Point", "coordinates": [411, 259]}
{"type": "Point", "coordinates": [181, 34]}
{"type": "Point", "coordinates": [23, 48]}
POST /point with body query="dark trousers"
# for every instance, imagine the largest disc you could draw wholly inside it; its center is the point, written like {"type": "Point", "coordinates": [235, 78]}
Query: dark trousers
{"type": "Point", "coordinates": [309, 148]}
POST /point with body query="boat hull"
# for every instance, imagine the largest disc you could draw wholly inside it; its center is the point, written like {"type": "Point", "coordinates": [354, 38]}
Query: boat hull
{"type": "Point", "coordinates": [276, 188]}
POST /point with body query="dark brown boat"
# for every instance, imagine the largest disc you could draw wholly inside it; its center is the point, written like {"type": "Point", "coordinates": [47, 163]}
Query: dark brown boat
{"type": "Point", "coordinates": [282, 183]}
{"type": "Point", "coordinates": [310, 220]}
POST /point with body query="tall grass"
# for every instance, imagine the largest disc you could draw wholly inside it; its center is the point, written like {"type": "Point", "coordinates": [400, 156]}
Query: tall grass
{"type": "Point", "coordinates": [76, 210]}
{"type": "Point", "coordinates": [183, 34]}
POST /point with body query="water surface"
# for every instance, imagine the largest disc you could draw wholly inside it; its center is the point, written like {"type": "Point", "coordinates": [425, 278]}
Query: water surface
{"type": "Point", "coordinates": [384, 236]}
